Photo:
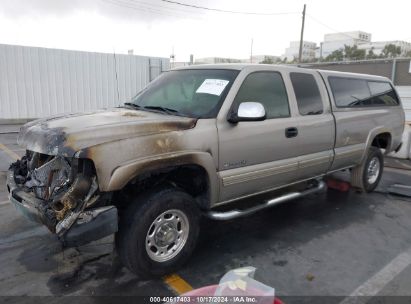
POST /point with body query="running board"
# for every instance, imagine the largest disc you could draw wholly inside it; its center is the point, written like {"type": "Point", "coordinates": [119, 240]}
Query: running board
{"type": "Point", "coordinates": [229, 215]}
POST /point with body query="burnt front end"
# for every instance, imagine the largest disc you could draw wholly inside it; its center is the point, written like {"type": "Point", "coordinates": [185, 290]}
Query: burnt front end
{"type": "Point", "coordinates": [62, 193]}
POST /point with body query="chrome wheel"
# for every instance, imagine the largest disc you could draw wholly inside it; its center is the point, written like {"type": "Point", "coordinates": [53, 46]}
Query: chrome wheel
{"type": "Point", "coordinates": [373, 170]}
{"type": "Point", "coordinates": [167, 235]}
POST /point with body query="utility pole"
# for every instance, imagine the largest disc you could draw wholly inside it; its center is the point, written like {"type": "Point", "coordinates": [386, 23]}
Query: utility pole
{"type": "Point", "coordinates": [300, 54]}
{"type": "Point", "coordinates": [321, 51]}
{"type": "Point", "coordinates": [251, 51]}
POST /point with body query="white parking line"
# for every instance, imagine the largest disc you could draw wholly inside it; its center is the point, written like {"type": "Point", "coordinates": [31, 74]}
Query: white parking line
{"type": "Point", "coordinates": [21, 236]}
{"type": "Point", "coordinates": [4, 203]}
{"type": "Point", "coordinates": [377, 282]}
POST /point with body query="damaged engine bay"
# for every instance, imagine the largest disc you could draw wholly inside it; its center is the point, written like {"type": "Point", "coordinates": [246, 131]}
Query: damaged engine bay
{"type": "Point", "coordinates": [63, 188]}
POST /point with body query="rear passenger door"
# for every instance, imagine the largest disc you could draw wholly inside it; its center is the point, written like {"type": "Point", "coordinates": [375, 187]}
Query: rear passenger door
{"type": "Point", "coordinates": [316, 128]}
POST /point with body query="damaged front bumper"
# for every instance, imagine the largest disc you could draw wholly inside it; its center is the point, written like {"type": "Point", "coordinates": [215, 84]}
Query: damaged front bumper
{"type": "Point", "coordinates": [76, 229]}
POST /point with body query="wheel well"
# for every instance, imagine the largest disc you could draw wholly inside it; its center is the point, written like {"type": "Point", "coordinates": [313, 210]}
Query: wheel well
{"type": "Point", "coordinates": [382, 141]}
{"type": "Point", "coordinates": [191, 178]}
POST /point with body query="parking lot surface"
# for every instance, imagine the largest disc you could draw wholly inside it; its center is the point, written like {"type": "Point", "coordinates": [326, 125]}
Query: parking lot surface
{"type": "Point", "coordinates": [329, 244]}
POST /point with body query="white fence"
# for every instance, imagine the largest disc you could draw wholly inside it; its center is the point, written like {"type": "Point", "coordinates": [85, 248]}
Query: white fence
{"type": "Point", "coordinates": [405, 95]}
{"type": "Point", "coordinates": [37, 82]}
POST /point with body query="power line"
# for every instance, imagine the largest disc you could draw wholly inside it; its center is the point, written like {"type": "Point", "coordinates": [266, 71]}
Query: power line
{"type": "Point", "coordinates": [141, 9]}
{"type": "Point", "coordinates": [227, 11]}
{"type": "Point", "coordinates": [329, 27]}
{"type": "Point", "coordinates": [166, 7]}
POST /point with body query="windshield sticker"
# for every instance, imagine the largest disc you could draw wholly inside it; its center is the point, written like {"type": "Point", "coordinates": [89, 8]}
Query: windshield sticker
{"type": "Point", "coordinates": [212, 86]}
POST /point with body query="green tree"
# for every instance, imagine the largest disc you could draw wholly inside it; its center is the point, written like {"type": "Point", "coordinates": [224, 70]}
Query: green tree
{"type": "Point", "coordinates": [267, 60]}
{"type": "Point", "coordinates": [391, 51]}
{"type": "Point", "coordinates": [348, 53]}
{"type": "Point", "coordinates": [371, 54]}
{"type": "Point", "coordinates": [353, 53]}
{"type": "Point", "coordinates": [277, 60]}
{"type": "Point", "coordinates": [310, 60]}
{"type": "Point", "coordinates": [337, 55]}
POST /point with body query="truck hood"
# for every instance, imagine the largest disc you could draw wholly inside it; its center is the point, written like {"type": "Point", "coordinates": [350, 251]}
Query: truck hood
{"type": "Point", "coordinates": [66, 134]}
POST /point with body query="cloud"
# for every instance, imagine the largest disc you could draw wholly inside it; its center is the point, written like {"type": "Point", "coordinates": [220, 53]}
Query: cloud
{"type": "Point", "coordinates": [125, 10]}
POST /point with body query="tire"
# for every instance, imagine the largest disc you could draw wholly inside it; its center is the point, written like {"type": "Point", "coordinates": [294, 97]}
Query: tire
{"type": "Point", "coordinates": [179, 223]}
{"type": "Point", "coordinates": [363, 177]}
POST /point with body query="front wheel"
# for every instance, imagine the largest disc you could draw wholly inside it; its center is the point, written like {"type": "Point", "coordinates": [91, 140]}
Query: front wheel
{"type": "Point", "coordinates": [158, 232]}
{"type": "Point", "coordinates": [367, 175]}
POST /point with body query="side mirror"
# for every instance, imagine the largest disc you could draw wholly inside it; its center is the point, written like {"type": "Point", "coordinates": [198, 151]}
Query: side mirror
{"type": "Point", "coordinates": [248, 111]}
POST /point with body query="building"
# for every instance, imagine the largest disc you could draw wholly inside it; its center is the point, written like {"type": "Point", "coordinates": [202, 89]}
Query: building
{"type": "Point", "coordinates": [179, 64]}
{"type": "Point", "coordinates": [337, 41]}
{"type": "Point", "coordinates": [254, 59]}
{"type": "Point", "coordinates": [213, 60]}
{"type": "Point", "coordinates": [308, 51]}
{"type": "Point", "coordinates": [261, 58]}
{"type": "Point", "coordinates": [378, 46]}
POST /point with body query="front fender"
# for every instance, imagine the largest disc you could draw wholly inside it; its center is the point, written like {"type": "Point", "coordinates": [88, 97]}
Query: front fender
{"type": "Point", "coordinates": [126, 172]}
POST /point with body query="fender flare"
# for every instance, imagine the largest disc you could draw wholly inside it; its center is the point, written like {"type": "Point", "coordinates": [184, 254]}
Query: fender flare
{"type": "Point", "coordinates": [123, 174]}
{"type": "Point", "coordinates": [372, 134]}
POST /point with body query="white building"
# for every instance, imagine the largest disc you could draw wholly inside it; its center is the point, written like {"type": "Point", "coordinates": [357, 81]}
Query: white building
{"type": "Point", "coordinates": [337, 41]}
{"type": "Point", "coordinates": [308, 51]}
{"type": "Point", "coordinates": [179, 64]}
{"type": "Point", "coordinates": [212, 60]}
{"type": "Point", "coordinates": [261, 58]}
{"type": "Point", "coordinates": [378, 46]}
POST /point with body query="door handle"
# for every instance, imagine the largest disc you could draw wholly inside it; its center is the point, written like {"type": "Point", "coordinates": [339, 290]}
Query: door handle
{"type": "Point", "coordinates": [291, 132]}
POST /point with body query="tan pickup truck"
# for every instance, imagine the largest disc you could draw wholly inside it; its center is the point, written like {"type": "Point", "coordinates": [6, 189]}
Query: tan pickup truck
{"type": "Point", "coordinates": [197, 141]}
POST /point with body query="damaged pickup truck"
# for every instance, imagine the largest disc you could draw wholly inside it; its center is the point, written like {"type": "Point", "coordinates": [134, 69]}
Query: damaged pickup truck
{"type": "Point", "coordinates": [201, 141]}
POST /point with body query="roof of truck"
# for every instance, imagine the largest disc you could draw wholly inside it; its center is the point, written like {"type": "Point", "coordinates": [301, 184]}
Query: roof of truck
{"type": "Point", "coordinates": [228, 66]}
{"type": "Point", "coordinates": [241, 66]}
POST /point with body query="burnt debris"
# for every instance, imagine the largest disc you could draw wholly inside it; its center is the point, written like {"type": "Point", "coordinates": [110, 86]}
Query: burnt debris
{"type": "Point", "coordinates": [62, 187]}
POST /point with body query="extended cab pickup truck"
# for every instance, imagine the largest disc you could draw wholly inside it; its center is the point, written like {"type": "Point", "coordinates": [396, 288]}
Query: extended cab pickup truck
{"type": "Point", "coordinates": [199, 141]}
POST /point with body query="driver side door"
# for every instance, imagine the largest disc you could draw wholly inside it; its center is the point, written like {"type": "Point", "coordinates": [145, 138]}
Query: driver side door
{"type": "Point", "coordinates": [256, 156]}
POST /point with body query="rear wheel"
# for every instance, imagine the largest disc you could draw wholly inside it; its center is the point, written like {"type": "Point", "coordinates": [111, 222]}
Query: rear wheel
{"type": "Point", "coordinates": [158, 232]}
{"type": "Point", "coordinates": [367, 175]}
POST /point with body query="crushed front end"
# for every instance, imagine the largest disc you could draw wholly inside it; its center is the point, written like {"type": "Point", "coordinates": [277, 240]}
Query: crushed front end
{"type": "Point", "coordinates": [62, 193]}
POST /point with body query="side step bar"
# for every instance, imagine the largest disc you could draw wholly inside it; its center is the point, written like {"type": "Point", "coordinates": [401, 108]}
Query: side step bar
{"type": "Point", "coordinates": [232, 214]}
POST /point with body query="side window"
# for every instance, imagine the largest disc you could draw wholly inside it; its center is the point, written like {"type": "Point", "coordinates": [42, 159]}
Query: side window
{"type": "Point", "coordinates": [307, 94]}
{"type": "Point", "coordinates": [350, 92]}
{"type": "Point", "coordinates": [382, 94]}
{"type": "Point", "coordinates": [267, 88]}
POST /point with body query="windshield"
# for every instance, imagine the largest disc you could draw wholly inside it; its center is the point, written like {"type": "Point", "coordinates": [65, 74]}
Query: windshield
{"type": "Point", "coordinates": [194, 93]}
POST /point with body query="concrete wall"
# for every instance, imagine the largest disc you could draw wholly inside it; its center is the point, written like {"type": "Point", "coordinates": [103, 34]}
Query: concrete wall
{"type": "Point", "coordinates": [405, 95]}
{"type": "Point", "coordinates": [403, 75]}
{"type": "Point", "coordinates": [380, 67]}
{"type": "Point", "coordinates": [37, 82]}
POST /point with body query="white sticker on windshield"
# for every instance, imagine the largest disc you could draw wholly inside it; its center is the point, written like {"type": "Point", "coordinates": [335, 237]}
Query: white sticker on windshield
{"type": "Point", "coordinates": [212, 86]}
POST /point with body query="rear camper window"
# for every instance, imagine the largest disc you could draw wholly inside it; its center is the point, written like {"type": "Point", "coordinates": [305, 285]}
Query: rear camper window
{"type": "Point", "coordinates": [351, 92]}
{"type": "Point", "coordinates": [383, 94]}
